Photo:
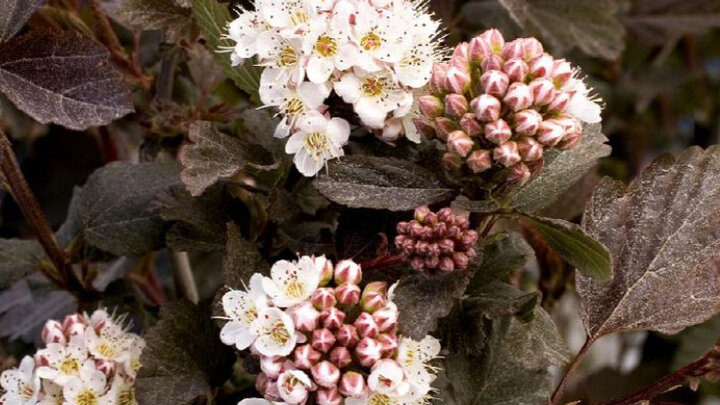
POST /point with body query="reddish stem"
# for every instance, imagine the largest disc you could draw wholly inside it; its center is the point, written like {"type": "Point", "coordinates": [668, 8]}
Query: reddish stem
{"type": "Point", "coordinates": [560, 390]}
{"type": "Point", "coordinates": [381, 262]}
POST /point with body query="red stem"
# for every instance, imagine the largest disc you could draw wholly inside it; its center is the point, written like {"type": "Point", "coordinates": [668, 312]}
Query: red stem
{"type": "Point", "coordinates": [381, 262]}
{"type": "Point", "coordinates": [560, 390]}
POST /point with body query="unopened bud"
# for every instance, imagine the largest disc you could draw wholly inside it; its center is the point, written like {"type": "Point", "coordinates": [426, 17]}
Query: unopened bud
{"type": "Point", "coordinates": [306, 357]}
{"type": "Point", "coordinates": [444, 127]}
{"type": "Point", "coordinates": [543, 91]}
{"type": "Point", "coordinates": [347, 336]}
{"type": "Point", "coordinates": [486, 107]}
{"type": "Point", "coordinates": [425, 127]}
{"type": "Point", "coordinates": [386, 318]}
{"type": "Point", "coordinates": [516, 69]}
{"type": "Point", "coordinates": [455, 105]}
{"type": "Point", "coordinates": [437, 80]}
{"type": "Point", "coordinates": [559, 102]}
{"type": "Point", "coordinates": [447, 265]}
{"type": "Point", "coordinates": [479, 161]}
{"type": "Point", "coordinates": [272, 366]}
{"type": "Point", "coordinates": [368, 351]}
{"type": "Point", "coordinates": [478, 50]}
{"type": "Point", "coordinates": [374, 296]}
{"type": "Point", "coordinates": [328, 396]}
{"type": "Point", "coordinates": [513, 50]}
{"type": "Point", "coordinates": [562, 71]}
{"type": "Point", "coordinates": [527, 122]}
{"type": "Point", "coordinates": [532, 48]}
{"type": "Point", "coordinates": [451, 161]}
{"type": "Point", "coordinates": [470, 124]}
{"type": "Point", "coordinates": [457, 80]}
{"type": "Point", "coordinates": [495, 83]}
{"type": "Point", "coordinates": [106, 367]}
{"type": "Point", "coordinates": [325, 268]}
{"type": "Point", "coordinates": [347, 271]}
{"type": "Point", "coordinates": [498, 132]}
{"type": "Point", "coordinates": [323, 298]}
{"type": "Point", "coordinates": [352, 384]}
{"type": "Point", "coordinates": [460, 143]}
{"type": "Point", "coordinates": [389, 343]}
{"type": "Point", "coordinates": [550, 132]}
{"type": "Point", "coordinates": [506, 154]}
{"type": "Point", "coordinates": [518, 96]}
{"type": "Point", "coordinates": [530, 149]}
{"type": "Point", "coordinates": [494, 38]}
{"type": "Point", "coordinates": [52, 332]}
{"type": "Point", "coordinates": [421, 213]}
{"type": "Point", "coordinates": [460, 56]}
{"type": "Point", "coordinates": [322, 340]}
{"type": "Point", "coordinates": [325, 374]}
{"type": "Point", "coordinates": [332, 318]}
{"type": "Point", "coordinates": [347, 294]}
{"type": "Point", "coordinates": [431, 106]}
{"type": "Point", "coordinates": [304, 316]}
{"type": "Point", "coordinates": [518, 174]}
{"type": "Point", "coordinates": [447, 245]}
{"type": "Point", "coordinates": [341, 356]}
{"type": "Point", "coordinates": [461, 260]}
{"type": "Point", "coordinates": [417, 263]}
{"type": "Point", "coordinates": [492, 62]}
{"type": "Point", "coordinates": [366, 326]}
{"type": "Point", "coordinates": [542, 66]}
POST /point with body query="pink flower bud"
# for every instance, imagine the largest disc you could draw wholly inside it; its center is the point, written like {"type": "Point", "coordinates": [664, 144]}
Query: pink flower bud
{"type": "Point", "coordinates": [518, 174]}
{"type": "Point", "coordinates": [518, 97]}
{"type": "Point", "coordinates": [498, 132]}
{"type": "Point", "coordinates": [461, 56]}
{"type": "Point", "coordinates": [451, 161]}
{"type": "Point", "coordinates": [446, 265]}
{"type": "Point", "coordinates": [478, 50]}
{"type": "Point", "coordinates": [470, 124]}
{"type": "Point", "coordinates": [347, 294]}
{"type": "Point", "coordinates": [366, 325]}
{"type": "Point", "coordinates": [457, 80]}
{"type": "Point", "coordinates": [417, 263]}
{"type": "Point", "coordinates": [444, 127]}
{"type": "Point", "coordinates": [542, 65]}
{"type": "Point", "coordinates": [506, 154]}
{"type": "Point", "coordinates": [347, 336]}
{"type": "Point", "coordinates": [461, 260]}
{"type": "Point", "coordinates": [421, 247]}
{"type": "Point", "coordinates": [352, 384]}
{"type": "Point", "coordinates": [437, 80]}
{"type": "Point", "coordinates": [487, 108]}
{"type": "Point", "coordinates": [431, 262]}
{"type": "Point", "coordinates": [106, 367]}
{"type": "Point", "coordinates": [332, 318]}
{"type": "Point", "coordinates": [516, 69]}
{"type": "Point", "coordinates": [347, 271]}
{"type": "Point", "coordinates": [532, 48]}
{"type": "Point", "coordinates": [416, 228]}
{"type": "Point", "coordinates": [323, 298]}
{"type": "Point", "coordinates": [562, 71]}
{"type": "Point", "coordinates": [559, 102]}
{"type": "Point", "coordinates": [447, 245]}
{"type": "Point", "coordinates": [374, 296]}
{"type": "Point", "coordinates": [568, 123]}
{"type": "Point", "coordinates": [455, 105]}
{"type": "Point", "coordinates": [530, 149]}
{"type": "Point", "coordinates": [74, 325]}
{"type": "Point", "coordinates": [513, 50]}
{"type": "Point", "coordinates": [386, 318]}
{"type": "Point", "coordinates": [325, 374]}
{"type": "Point", "coordinates": [341, 356]}
{"type": "Point", "coordinates": [322, 340]}
{"type": "Point", "coordinates": [527, 122]}
{"type": "Point", "coordinates": [306, 357]}
{"type": "Point", "coordinates": [543, 91]}
{"type": "Point", "coordinates": [459, 143]}
{"type": "Point", "coordinates": [495, 83]}
{"type": "Point", "coordinates": [571, 140]}
{"type": "Point", "coordinates": [389, 343]}
{"type": "Point", "coordinates": [52, 332]}
{"type": "Point", "coordinates": [421, 213]}
{"type": "Point", "coordinates": [431, 106]}
{"type": "Point", "coordinates": [325, 268]}
{"type": "Point", "coordinates": [478, 161]}
{"type": "Point", "coordinates": [328, 396]}
{"type": "Point", "coordinates": [260, 382]}
{"type": "Point", "coordinates": [304, 316]}
{"type": "Point", "coordinates": [272, 366]}
{"type": "Point", "coordinates": [425, 127]}
{"type": "Point", "coordinates": [368, 351]}
{"type": "Point", "coordinates": [75, 329]}
{"type": "Point", "coordinates": [494, 38]}
{"type": "Point", "coordinates": [550, 132]}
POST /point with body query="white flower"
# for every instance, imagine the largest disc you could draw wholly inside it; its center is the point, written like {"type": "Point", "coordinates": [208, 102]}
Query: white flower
{"type": "Point", "coordinates": [581, 105]}
{"type": "Point", "coordinates": [316, 141]}
{"type": "Point", "coordinates": [402, 120]}
{"type": "Point", "coordinates": [88, 388]}
{"type": "Point", "coordinates": [131, 362]}
{"type": "Point", "coordinates": [388, 377]}
{"type": "Point", "coordinates": [122, 392]}
{"type": "Point", "coordinates": [52, 394]}
{"type": "Point", "coordinates": [245, 30]}
{"type": "Point", "coordinates": [374, 95]}
{"type": "Point", "coordinates": [378, 37]}
{"type": "Point", "coordinates": [64, 362]}
{"type": "Point", "coordinates": [414, 357]}
{"type": "Point", "coordinates": [294, 386]}
{"type": "Point", "coordinates": [323, 45]}
{"type": "Point", "coordinates": [284, 53]}
{"type": "Point", "coordinates": [291, 283]}
{"type": "Point", "coordinates": [21, 385]}
{"type": "Point", "coordinates": [111, 343]}
{"type": "Point", "coordinates": [257, 401]}
{"type": "Point", "coordinates": [373, 398]}
{"type": "Point", "coordinates": [288, 15]}
{"type": "Point", "coordinates": [242, 309]}
{"type": "Point", "coordinates": [275, 333]}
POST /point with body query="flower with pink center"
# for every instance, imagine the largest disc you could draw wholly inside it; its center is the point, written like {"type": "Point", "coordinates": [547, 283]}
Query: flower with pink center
{"type": "Point", "coordinates": [388, 377]}
{"type": "Point", "coordinates": [294, 386]}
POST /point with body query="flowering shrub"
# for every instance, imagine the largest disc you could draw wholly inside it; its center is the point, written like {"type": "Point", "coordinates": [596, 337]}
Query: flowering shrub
{"type": "Point", "coordinates": [88, 359]}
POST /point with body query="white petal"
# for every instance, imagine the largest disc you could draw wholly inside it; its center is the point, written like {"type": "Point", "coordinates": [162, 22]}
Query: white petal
{"type": "Point", "coordinates": [283, 128]}
{"type": "Point", "coordinates": [348, 88]}
{"type": "Point", "coordinates": [319, 68]}
{"type": "Point", "coordinates": [313, 95]}
{"type": "Point", "coordinates": [237, 334]}
{"type": "Point", "coordinates": [371, 113]}
{"type": "Point", "coordinates": [306, 164]}
{"type": "Point", "coordinates": [347, 56]}
{"type": "Point", "coordinates": [339, 131]}
{"type": "Point", "coordinates": [295, 143]}
{"type": "Point", "coordinates": [312, 122]}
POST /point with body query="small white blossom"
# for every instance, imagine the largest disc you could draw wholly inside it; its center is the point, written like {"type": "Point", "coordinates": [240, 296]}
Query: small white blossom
{"type": "Point", "coordinates": [317, 141]}
{"type": "Point", "coordinates": [275, 333]}
{"type": "Point", "coordinates": [21, 385]}
{"type": "Point", "coordinates": [64, 361]}
{"type": "Point", "coordinates": [245, 30]}
{"type": "Point", "coordinates": [87, 388]}
{"type": "Point", "coordinates": [581, 105]}
{"type": "Point", "coordinates": [242, 309]}
{"type": "Point", "coordinates": [283, 53]}
{"type": "Point", "coordinates": [388, 377]}
{"type": "Point", "coordinates": [51, 394]}
{"type": "Point", "coordinates": [291, 282]}
{"type": "Point", "coordinates": [374, 95]}
{"type": "Point", "coordinates": [294, 386]}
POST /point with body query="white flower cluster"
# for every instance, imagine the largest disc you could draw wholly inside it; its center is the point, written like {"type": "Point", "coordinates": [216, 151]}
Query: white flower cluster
{"type": "Point", "coordinates": [322, 338]}
{"type": "Point", "coordinates": [375, 54]}
{"type": "Point", "coordinates": [88, 360]}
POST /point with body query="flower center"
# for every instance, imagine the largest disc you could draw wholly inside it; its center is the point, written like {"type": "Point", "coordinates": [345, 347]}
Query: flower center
{"type": "Point", "coordinates": [299, 17]}
{"type": "Point", "coordinates": [105, 349]}
{"type": "Point", "coordinates": [373, 86]}
{"type": "Point", "coordinates": [294, 106]}
{"type": "Point", "coordinates": [251, 315]}
{"type": "Point", "coordinates": [279, 333]}
{"type": "Point", "coordinates": [87, 397]}
{"type": "Point", "coordinates": [69, 366]}
{"type": "Point", "coordinates": [370, 42]}
{"type": "Point", "coordinates": [126, 397]}
{"type": "Point", "coordinates": [288, 57]}
{"type": "Point", "coordinates": [316, 143]}
{"type": "Point", "coordinates": [26, 391]}
{"type": "Point", "coordinates": [291, 383]}
{"type": "Point", "coordinates": [379, 399]}
{"type": "Point", "coordinates": [295, 288]}
{"type": "Point", "coordinates": [326, 46]}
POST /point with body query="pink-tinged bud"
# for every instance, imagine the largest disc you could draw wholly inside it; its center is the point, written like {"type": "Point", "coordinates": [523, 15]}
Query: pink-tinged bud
{"type": "Point", "coordinates": [402, 227]}
{"type": "Point", "coordinates": [444, 127]}
{"type": "Point", "coordinates": [322, 340]}
{"type": "Point", "coordinates": [457, 80]}
{"type": "Point", "coordinates": [341, 356]}
{"type": "Point", "coordinates": [366, 325]}
{"type": "Point", "coordinates": [568, 123]}
{"type": "Point", "coordinates": [260, 382]}
{"type": "Point", "coordinates": [106, 367]}
{"type": "Point", "coordinates": [470, 124]}
{"type": "Point", "coordinates": [506, 154]}
{"type": "Point", "coordinates": [492, 62]}
{"type": "Point", "coordinates": [421, 213]}
{"type": "Point", "coordinates": [386, 318]}
{"type": "Point", "coordinates": [325, 268]}
{"type": "Point", "coordinates": [328, 396]}
{"type": "Point", "coordinates": [76, 318]}
{"type": "Point", "coordinates": [52, 332]}
{"type": "Point", "coordinates": [347, 271]}
{"type": "Point", "coordinates": [272, 366]}
{"type": "Point", "coordinates": [527, 122]}
{"type": "Point", "coordinates": [416, 228]}
{"type": "Point", "coordinates": [532, 48]}
{"type": "Point", "coordinates": [543, 91]}
{"type": "Point", "coordinates": [431, 106]}
{"type": "Point", "coordinates": [453, 232]}
{"type": "Point", "coordinates": [455, 105]}
{"type": "Point", "coordinates": [425, 127]}
{"type": "Point", "coordinates": [417, 263]}
{"type": "Point", "coordinates": [478, 50]}
{"type": "Point", "coordinates": [550, 133]}
{"type": "Point", "coordinates": [304, 316]}
{"type": "Point", "coordinates": [494, 38]}
{"type": "Point", "coordinates": [347, 336]}
{"type": "Point", "coordinates": [421, 247]}
{"type": "Point", "coordinates": [518, 97]}
{"type": "Point", "coordinates": [408, 246]}
{"type": "Point", "coordinates": [516, 69]}
{"type": "Point", "coordinates": [325, 374]}
{"type": "Point", "coordinates": [40, 360]}
{"type": "Point", "coordinates": [460, 56]}
{"type": "Point", "coordinates": [530, 149]}
{"type": "Point", "coordinates": [469, 238]}
{"type": "Point", "coordinates": [461, 260]}
{"type": "Point", "coordinates": [478, 161]}
{"type": "Point", "coordinates": [374, 296]}
{"type": "Point", "coordinates": [542, 66]}
{"type": "Point", "coordinates": [368, 351]}
{"type": "Point", "coordinates": [498, 132]}
{"type": "Point", "coordinates": [437, 80]}
{"type": "Point", "coordinates": [447, 245]}
{"type": "Point", "coordinates": [495, 83]}
{"type": "Point", "coordinates": [571, 140]}
{"type": "Point", "coordinates": [446, 265]}
{"type": "Point", "coordinates": [75, 329]}
{"type": "Point", "coordinates": [451, 161]}
{"type": "Point", "coordinates": [306, 357]}
{"type": "Point", "coordinates": [389, 343]}
{"type": "Point", "coordinates": [332, 318]}
{"type": "Point", "coordinates": [270, 390]}
{"type": "Point", "coordinates": [562, 71]}
{"type": "Point", "coordinates": [347, 294]}
{"type": "Point", "coordinates": [352, 385]}
{"type": "Point", "coordinates": [513, 50]}
{"type": "Point", "coordinates": [518, 174]}
{"type": "Point", "coordinates": [487, 108]}
{"type": "Point", "coordinates": [323, 298]}
{"type": "Point", "coordinates": [459, 143]}
{"type": "Point", "coordinates": [471, 254]}
{"type": "Point", "coordinates": [559, 102]}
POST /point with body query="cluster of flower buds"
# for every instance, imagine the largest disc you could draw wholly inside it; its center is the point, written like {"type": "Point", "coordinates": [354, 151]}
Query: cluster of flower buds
{"type": "Point", "coordinates": [373, 53]}
{"type": "Point", "coordinates": [322, 338]}
{"type": "Point", "coordinates": [88, 359]}
{"type": "Point", "coordinates": [436, 243]}
{"type": "Point", "coordinates": [498, 105]}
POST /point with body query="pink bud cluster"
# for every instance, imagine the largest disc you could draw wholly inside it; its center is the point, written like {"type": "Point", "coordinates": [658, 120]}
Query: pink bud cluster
{"type": "Point", "coordinates": [436, 243]}
{"type": "Point", "coordinates": [498, 105]}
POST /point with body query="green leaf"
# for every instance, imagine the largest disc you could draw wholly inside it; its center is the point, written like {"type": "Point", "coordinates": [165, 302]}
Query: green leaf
{"type": "Point", "coordinates": [14, 14]}
{"type": "Point", "coordinates": [63, 78]}
{"type": "Point", "coordinates": [165, 15]}
{"type": "Point", "coordinates": [589, 256]}
{"type": "Point", "coordinates": [212, 18]}
{"type": "Point", "coordinates": [502, 253]}
{"type": "Point", "coordinates": [184, 358]}
{"type": "Point", "coordinates": [18, 258]}
{"type": "Point", "coordinates": [381, 183]}
{"type": "Point", "coordinates": [496, 299]}
{"type": "Point", "coordinates": [663, 231]}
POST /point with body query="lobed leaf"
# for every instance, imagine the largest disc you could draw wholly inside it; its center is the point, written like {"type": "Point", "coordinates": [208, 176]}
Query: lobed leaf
{"type": "Point", "coordinates": [502, 253]}
{"type": "Point", "coordinates": [14, 14]}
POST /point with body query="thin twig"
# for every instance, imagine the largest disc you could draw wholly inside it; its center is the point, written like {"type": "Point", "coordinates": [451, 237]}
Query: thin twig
{"type": "Point", "coordinates": [560, 390]}
{"type": "Point", "coordinates": [184, 276]}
